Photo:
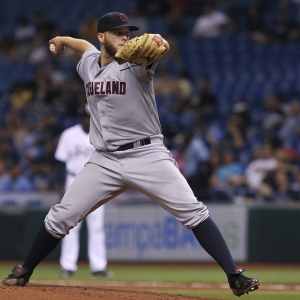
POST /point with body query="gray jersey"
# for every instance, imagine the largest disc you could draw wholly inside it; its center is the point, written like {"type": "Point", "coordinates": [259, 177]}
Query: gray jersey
{"type": "Point", "coordinates": [123, 110]}
{"type": "Point", "coordinates": [125, 87]}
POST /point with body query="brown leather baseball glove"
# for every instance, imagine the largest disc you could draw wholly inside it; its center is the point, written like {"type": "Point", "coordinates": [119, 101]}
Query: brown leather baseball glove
{"type": "Point", "coordinates": [143, 50]}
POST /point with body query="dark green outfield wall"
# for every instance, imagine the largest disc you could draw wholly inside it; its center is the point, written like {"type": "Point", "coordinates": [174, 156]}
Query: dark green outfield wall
{"type": "Point", "coordinates": [18, 229]}
{"type": "Point", "coordinates": [273, 234]}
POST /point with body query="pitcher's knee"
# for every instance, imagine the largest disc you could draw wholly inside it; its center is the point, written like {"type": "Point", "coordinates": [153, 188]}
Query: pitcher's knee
{"type": "Point", "coordinates": [58, 224]}
{"type": "Point", "coordinates": [195, 218]}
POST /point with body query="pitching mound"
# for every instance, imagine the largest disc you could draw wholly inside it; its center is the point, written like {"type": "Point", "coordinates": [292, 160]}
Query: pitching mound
{"type": "Point", "coordinates": [47, 292]}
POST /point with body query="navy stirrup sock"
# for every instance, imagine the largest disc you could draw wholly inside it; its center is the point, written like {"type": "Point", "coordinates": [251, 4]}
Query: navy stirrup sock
{"type": "Point", "coordinates": [212, 241]}
{"type": "Point", "coordinates": [43, 244]}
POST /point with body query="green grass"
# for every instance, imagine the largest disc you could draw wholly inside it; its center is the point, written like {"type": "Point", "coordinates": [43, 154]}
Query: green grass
{"type": "Point", "coordinates": [180, 274]}
{"type": "Point", "coordinates": [257, 295]}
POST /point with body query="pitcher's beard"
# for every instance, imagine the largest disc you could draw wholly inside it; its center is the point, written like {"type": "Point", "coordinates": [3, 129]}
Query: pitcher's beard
{"type": "Point", "coordinates": [110, 49]}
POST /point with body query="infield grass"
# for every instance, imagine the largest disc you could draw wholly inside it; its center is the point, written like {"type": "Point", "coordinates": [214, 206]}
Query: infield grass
{"type": "Point", "coordinates": [180, 274]}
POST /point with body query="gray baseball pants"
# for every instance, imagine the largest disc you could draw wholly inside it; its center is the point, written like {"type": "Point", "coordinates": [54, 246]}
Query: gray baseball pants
{"type": "Point", "coordinates": [149, 169]}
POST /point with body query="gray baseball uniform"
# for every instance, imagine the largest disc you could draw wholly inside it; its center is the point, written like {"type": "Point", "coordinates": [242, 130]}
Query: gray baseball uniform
{"type": "Point", "coordinates": [123, 110]}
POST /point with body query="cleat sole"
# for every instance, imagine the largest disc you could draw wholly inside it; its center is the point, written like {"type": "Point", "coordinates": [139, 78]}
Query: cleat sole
{"type": "Point", "coordinates": [251, 288]}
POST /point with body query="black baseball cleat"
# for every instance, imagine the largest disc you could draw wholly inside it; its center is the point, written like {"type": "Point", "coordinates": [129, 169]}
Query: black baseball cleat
{"type": "Point", "coordinates": [241, 284]}
{"type": "Point", "coordinates": [19, 277]}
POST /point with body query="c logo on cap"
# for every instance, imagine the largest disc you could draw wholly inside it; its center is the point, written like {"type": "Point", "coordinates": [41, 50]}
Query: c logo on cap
{"type": "Point", "coordinates": [122, 17]}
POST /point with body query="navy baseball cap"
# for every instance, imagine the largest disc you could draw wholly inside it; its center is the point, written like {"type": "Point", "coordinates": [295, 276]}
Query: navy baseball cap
{"type": "Point", "coordinates": [114, 20]}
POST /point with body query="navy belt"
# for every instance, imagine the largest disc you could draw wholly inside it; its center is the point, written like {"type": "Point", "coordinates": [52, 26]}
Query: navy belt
{"type": "Point", "coordinates": [136, 144]}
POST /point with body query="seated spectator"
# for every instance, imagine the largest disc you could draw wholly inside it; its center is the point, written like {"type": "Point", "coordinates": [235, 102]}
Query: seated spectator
{"type": "Point", "coordinates": [211, 22]}
{"type": "Point", "coordinates": [43, 170]}
{"type": "Point", "coordinates": [227, 178]}
{"type": "Point", "coordinates": [273, 114]}
{"type": "Point", "coordinates": [241, 110]}
{"type": "Point", "coordinates": [200, 182]}
{"type": "Point", "coordinates": [184, 89]}
{"type": "Point", "coordinates": [235, 135]}
{"type": "Point", "coordinates": [203, 102]}
{"type": "Point", "coordinates": [28, 148]}
{"type": "Point", "coordinates": [47, 126]}
{"type": "Point", "coordinates": [40, 50]}
{"type": "Point", "coordinates": [236, 132]}
{"type": "Point", "coordinates": [24, 30]}
{"type": "Point", "coordinates": [20, 96]}
{"type": "Point", "coordinates": [258, 168]}
{"type": "Point", "coordinates": [185, 86]}
{"type": "Point", "coordinates": [289, 131]}
{"type": "Point", "coordinates": [197, 154]}
{"type": "Point", "coordinates": [14, 180]}
{"type": "Point", "coordinates": [276, 187]}
{"type": "Point", "coordinates": [65, 105]}
{"type": "Point", "coordinates": [165, 84]}
{"type": "Point", "coordinates": [255, 25]}
{"type": "Point", "coordinates": [14, 126]}
{"type": "Point", "coordinates": [284, 29]}
{"type": "Point", "coordinates": [55, 75]}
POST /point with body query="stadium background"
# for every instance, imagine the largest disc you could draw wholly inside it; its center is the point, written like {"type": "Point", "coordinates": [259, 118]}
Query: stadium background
{"type": "Point", "coordinates": [39, 96]}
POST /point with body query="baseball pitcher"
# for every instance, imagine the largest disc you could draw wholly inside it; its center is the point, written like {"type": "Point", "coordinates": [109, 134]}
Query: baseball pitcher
{"type": "Point", "coordinates": [130, 152]}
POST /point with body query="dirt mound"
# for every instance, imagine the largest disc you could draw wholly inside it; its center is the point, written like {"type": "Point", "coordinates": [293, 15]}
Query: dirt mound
{"type": "Point", "coordinates": [47, 292]}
